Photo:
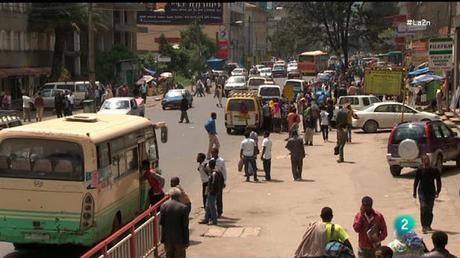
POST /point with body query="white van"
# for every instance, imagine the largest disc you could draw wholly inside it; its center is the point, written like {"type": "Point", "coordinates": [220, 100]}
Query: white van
{"type": "Point", "coordinates": [80, 89]}
{"type": "Point", "coordinates": [357, 102]}
{"type": "Point", "coordinates": [255, 82]}
{"type": "Point", "coordinates": [268, 92]}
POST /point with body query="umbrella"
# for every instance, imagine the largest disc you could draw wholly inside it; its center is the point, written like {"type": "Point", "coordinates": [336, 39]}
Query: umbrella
{"type": "Point", "coordinates": [419, 71]}
{"type": "Point", "coordinates": [152, 72]}
{"type": "Point", "coordinates": [166, 75]}
{"type": "Point", "coordinates": [426, 78]}
{"type": "Point", "coordinates": [144, 79]}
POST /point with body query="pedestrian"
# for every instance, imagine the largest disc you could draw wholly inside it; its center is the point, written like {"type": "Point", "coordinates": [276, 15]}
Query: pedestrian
{"type": "Point", "coordinates": [174, 223]}
{"type": "Point", "coordinates": [156, 192]}
{"type": "Point", "coordinates": [293, 120]}
{"type": "Point", "coordinates": [208, 85]}
{"type": "Point", "coordinates": [284, 114]}
{"type": "Point", "coordinates": [220, 166]}
{"type": "Point", "coordinates": [324, 115]}
{"type": "Point", "coordinates": [350, 115]}
{"type": "Point", "coordinates": [253, 135]}
{"type": "Point", "coordinates": [66, 105]}
{"type": "Point", "coordinates": [219, 94]}
{"type": "Point", "coordinates": [297, 152]}
{"type": "Point", "coordinates": [371, 228]}
{"type": "Point", "coordinates": [319, 233]}
{"type": "Point", "coordinates": [247, 151]}
{"type": "Point", "coordinates": [139, 102]}
{"type": "Point", "coordinates": [204, 175]}
{"type": "Point", "coordinates": [6, 101]}
{"type": "Point", "coordinates": [216, 182]}
{"type": "Point", "coordinates": [424, 182]}
{"type": "Point", "coordinates": [183, 110]}
{"type": "Point", "coordinates": [384, 252]}
{"type": "Point", "coordinates": [440, 240]}
{"type": "Point", "coordinates": [124, 91]}
{"type": "Point", "coordinates": [175, 182]}
{"type": "Point", "coordinates": [143, 91]}
{"type": "Point", "coordinates": [59, 104]}
{"type": "Point", "coordinates": [39, 106]}
{"type": "Point", "coordinates": [315, 111]}
{"type": "Point", "coordinates": [276, 115]}
{"type": "Point", "coordinates": [267, 114]}
{"type": "Point", "coordinates": [267, 155]}
{"type": "Point", "coordinates": [26, 101]}
{"type": "Point", "coordinates": [71, 98]}
{"type": "Point", "coordinates": [309, 122]}
{"type": "Point", "coordinates": [330, 110]}
{"type": "Point", "coordinates": [341, 124]}
{"type": "Point", "coordinates": [210, 127]}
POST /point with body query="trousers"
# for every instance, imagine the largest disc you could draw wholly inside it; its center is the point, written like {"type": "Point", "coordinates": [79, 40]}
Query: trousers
{"type": "Point", "coordinates": [267, 168]}
{"type": "Point", "coordinates": [250, 161]}
{"type": "Point", "coordinates": [26, 113]}
{"type": "Point", "coordinates": [203, 193]}
{"type": "Point", "coordinates": [296, 166]}
{"type": "Point", "coordinates": [175, 250]}
{"type": "Point", "coordinates": [211, 209]}
{"type": "Point", "coordinates": [308, 136]}
{"type": "Point", "coordinates": [325, 131]}
{"type": "Point", "coordinates": [213, 143]}
{"type": "Point", "coordinates": [184, 115]}
{"type": "Point", "coordinates": [426, 208]}
{"type": "Point", "coordinates": [39, 114]}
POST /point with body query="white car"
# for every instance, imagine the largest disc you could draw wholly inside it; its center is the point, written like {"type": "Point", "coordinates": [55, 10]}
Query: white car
{"type": "Point", "coordinates": [259, 67]}
{"type": "Point", "coordinates": [265, 72]}
{"type": "Point", "coordinates": [292, 67]}
{"type": "Point", "coordinates": [121, 106]}
{"type": "Point", "coordinates": [385, 115]}
{"type": "Point", "coordinates": [268, 92]}
{"type": "Point", "coordinates": [240, 72]}
{"type": "Point", "coordinates": [235, 83]}
{"type": "Point", "coordinates": [255, 82]}
{"type": "Point", "coordinates": [357, 102]}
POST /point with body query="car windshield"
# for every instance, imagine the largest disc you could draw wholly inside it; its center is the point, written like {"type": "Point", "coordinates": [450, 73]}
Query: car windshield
{"type": "Point", "coordinates": [416, 133]}
{"type": "Point", "coordinates": [278, 67]}
{"type": "Point", "coordinates": [174, 93]}
{"type": "Point", "coordinates": [265, 70]}
{"type": "Point", "coordinates": [119, 104]}
{"type": "Point", "coordinates": [236, 80]}
{"type": "Point", "coordinates": [256, 82]}
{"type": "Point", "coordinates": [270, 92]}
{"type": "Point", "coordinates": [41, 159]}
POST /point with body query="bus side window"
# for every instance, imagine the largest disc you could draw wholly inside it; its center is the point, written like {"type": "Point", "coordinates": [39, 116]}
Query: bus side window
{"type": "Point", "coordinates": [103, 157]}
{"type": "Point", "coordinates": [115, 170]}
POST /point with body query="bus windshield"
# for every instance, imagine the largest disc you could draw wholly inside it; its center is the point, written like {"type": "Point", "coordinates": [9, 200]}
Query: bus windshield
{"type": "Point", "coordinates": [41, 159]}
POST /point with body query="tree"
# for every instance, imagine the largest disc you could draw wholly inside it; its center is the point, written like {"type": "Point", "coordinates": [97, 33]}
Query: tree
{"type": "Point", "coordinates": [199, 46]}
{"type": "Point", "coordinates": [106, 63]}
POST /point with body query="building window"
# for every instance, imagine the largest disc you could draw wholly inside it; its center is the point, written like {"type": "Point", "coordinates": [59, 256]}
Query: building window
{"type": "Point", "coordinates": [117, 38]}
{"type": "Point", "coordinates": [27, 41]}
{"type": "Point", "coordinates": [21, 41]}
{"type": "Point", "coordinates": [101, 43]}
{"type": "Point", "coordinates": [52, 39]}
{"type": "Point", "coordinates": [6, 40]}
{"type": "Point", "coordinates": [116, 17]}
{"type": "Point", "coordinates": [128, 40]}
{"type": "Point", "coordinates": [42, 44]}
{"type": "Point", "coordinates": [125, 16]}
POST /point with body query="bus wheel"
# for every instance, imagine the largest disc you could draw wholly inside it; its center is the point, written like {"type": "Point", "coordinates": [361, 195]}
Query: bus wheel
{"type": "Point", "coordinates": [116, 225]}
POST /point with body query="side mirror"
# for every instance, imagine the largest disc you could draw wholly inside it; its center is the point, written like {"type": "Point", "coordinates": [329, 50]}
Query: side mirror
{"type": "Point", "coordinates": [164, 134]}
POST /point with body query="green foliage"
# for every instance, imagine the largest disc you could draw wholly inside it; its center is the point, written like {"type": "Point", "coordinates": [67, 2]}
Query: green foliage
{"type": "Point", "coordinates": [197, 47]}
{"type": "Point", "coordinates": [64, 74]}
{"type": "Point", "coordinates": [106, 63]}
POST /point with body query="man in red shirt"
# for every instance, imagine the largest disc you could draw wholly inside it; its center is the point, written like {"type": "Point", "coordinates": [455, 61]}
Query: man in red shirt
{"type": "Point", "coordinates": [39, 104]}
{"type": "Point", "coordinates": [293, 120]}
{"type": "Point", "coordinates": [371, 227]}
{"type": "Point", "coordinates": [156, 192]}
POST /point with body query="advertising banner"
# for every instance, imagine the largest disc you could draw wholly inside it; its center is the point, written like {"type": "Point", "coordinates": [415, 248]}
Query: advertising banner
{"type": "Point", "coordinates": [440, 53]}
{"type": "Point", "coordinates": [183, 14]}
{"type": "Point", "coordinates": [383, 82]}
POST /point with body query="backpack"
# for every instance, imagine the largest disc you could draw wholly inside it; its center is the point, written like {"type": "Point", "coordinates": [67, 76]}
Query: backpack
{"type": "Point", "coordinates": [336, 248]}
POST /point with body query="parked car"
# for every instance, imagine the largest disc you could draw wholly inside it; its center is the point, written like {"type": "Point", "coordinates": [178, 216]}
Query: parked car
{"type": "Point", "coordinates": [235, 83]}
{"type": "Point", "coordinates": [80, 89]}
{"type": "Point", "coordinates": [121, 106]}
{"type": "Point", "coordinates": [358, 102]}
{"type": "Point", "coordinates": [388, 114]}
{"type": "Point", "coordinates": [259, 67]}
{"type": "Point", "coordinates": [279, 70]}
{"type": "Point", "coordinates": [173, 98]}
{"type": "Point", "coordinates": [240, 72]}
{"type": "Point", "coordinates": [409, 142]}
{"type": "Point", "coordinates": [266, 72]}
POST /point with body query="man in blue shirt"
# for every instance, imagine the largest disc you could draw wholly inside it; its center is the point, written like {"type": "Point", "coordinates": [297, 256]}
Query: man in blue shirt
{"type": "Point", "coordinates": [210, 127]}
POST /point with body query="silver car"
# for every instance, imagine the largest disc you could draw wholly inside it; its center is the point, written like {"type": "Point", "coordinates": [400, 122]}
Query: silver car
{"type": "Point", "coordinates": [121, 106]}
{"type": "Point", "coordinates": [48, 96]}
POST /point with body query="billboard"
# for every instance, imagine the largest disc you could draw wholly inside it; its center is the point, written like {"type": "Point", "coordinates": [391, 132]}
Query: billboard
{"type": "Point", "coordinates": [182, 14]}
{"type": "Point", "coordinates": [383, 82]}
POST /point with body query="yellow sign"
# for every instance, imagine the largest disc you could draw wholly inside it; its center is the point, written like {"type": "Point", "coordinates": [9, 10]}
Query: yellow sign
{"type": "Point", "coordinates": [288, 92]}
{"type": "Point", "coordinates": [383, 82]}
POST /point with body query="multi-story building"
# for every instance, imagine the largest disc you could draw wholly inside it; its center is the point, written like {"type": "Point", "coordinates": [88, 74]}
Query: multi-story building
{"type": "Point", "coordinates": [256, 20]}
{"type": "Point", "coordinates": [25, 56]}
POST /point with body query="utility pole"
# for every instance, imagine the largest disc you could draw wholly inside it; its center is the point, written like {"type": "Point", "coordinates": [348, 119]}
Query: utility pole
{"type": "Point", "coordinates": [91, 54]}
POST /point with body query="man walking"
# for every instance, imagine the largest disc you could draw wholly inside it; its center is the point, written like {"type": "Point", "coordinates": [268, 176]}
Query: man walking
{"type": "Point", "coordinates": [297, 151]}
{"type": "Point", "coordinates": [247, 151]}
{"type": "Point", "coordinates": [309, 125]}
{"type": "Point", "coordinates": [26, 101]}
{"type": "Point", "coordinates": [59, 104]}
{"type": "Point", "coordinates": [210, 127]}
{"type": "Point", "coordinates": [267, 155]}
{"type": "Point", "coordinates": [220, 167]}
{"type": "Point", "coordinates": [293, 120]}
{"type": "Point", "coordinates": [39, 106]}
{"type": "Point", "coordinates": [350, 115]}
{"type": "Point", "coordinates": [216, 182]}
{"type": "Point", "coordinates": [341, 125]}
{"type": "Point", "coordinates": [440, 240]}
{"type": "Point", "coordinates": [253, 135]}
{"type": "Point", "coordinates": [174, 226]}
{"type": "Point", "coordinates": [183, 108]}
{"type": "Point", "coordinates": [267, 117]}
{"type": "Point", "coordinates": [425, 179]}
{"type": "Point", "coordinates": [371, 227]}
{"type": "Point", "coordinates": [201, 157]}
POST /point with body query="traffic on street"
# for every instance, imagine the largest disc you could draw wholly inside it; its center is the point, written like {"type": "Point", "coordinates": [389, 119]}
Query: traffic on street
{"type": "Point", "coordinates": [243, 129]}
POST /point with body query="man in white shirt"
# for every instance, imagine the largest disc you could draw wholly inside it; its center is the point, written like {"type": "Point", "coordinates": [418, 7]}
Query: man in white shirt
{"type": "Point", "coordinates": [201, 159]}
{"type": "Point", "coordinates": [253, 135]}
{"type": "Point", "coordinates": [71, 98]}
{"type": "Point", "coordinates": [247, 152]}
{"type": "Point", "coordinates": [267, 155]}
{"type": "Point", "coordinates": [26, 107]}
{"type": "Point", "coordinates": [220, 165]}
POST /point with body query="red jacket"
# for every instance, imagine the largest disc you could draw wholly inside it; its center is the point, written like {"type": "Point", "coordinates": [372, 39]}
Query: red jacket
{"type": "Point", "coordinates": [155, 185]}
{"type": "Point", "coordinates": [361, 225]}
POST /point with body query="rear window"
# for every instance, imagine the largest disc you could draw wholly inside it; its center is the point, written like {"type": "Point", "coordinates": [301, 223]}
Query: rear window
{"type": "Point", "coordinates": [235, 104]}
{"type": "Point", "coordinates": [41, 159]}
{"type": "Point", "coordinates": [416, 133]}
{"type": "Point", "coordinates": [68, 87]}
{"type": "Point", "coordinates": [271, 92]}
{"type": "Point", "coordinates": [256, 82]}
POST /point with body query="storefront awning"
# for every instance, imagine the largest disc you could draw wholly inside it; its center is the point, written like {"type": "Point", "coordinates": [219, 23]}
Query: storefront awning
{"type": "Point", "coordinates": [27, 71]}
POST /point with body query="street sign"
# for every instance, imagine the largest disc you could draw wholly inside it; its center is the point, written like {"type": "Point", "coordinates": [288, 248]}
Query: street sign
{"type": "Point", "coordinates": [164, 59]}
{"type": "Point", "coordinates": [440, 53]}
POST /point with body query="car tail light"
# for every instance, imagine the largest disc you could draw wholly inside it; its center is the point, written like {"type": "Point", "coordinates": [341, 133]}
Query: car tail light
{"type": "Point", "coordinates": [428, 134]}
{"type": "Point", "coordinates": [87, 212]}
{"type": "Point", "coordinates": [392, 135]}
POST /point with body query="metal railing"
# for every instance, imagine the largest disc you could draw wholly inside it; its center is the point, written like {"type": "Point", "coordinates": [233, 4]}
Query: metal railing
{"type": "Point", "coordinates": [141, 241]}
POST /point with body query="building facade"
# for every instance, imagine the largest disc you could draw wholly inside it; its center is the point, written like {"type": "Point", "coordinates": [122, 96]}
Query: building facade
{"type": "Point", "coordinates": [255, 23]}
{"type": "Point", "coordinates": [25, 56]}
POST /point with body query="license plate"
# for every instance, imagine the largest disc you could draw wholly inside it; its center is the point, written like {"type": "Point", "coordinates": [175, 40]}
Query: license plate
{"type": "Point", "coordinates": [36, 236]}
